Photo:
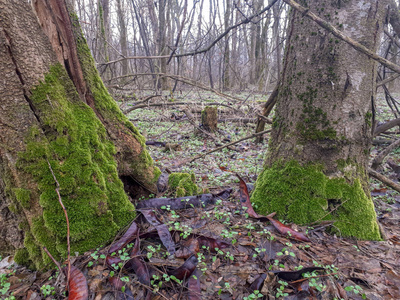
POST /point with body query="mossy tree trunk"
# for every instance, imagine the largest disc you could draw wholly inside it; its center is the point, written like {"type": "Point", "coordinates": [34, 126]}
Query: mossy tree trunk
{"type": "Point", "coordinates": [55, 110]}
{"type": "Point", "coordinates": [318, 154]}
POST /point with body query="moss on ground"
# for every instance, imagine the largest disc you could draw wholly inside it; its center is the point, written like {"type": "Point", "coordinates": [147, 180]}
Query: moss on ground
{"type": "Point", "coordinates": [75, 144]}
{"type": "Point", "coordinates": [183, 184]}
{"type": "Point", "coordinates": [304, 194]}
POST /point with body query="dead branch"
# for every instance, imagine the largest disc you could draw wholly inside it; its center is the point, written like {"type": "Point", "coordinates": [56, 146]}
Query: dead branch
{"type": "Point", "coordinates": [53, 259]}
{"type": "Point", "coordinates": [66, 218]}
{"type": "Point", "coordinates": [238, 120]}
{"type": "Point", "coordinates": [387, 80]}
{"type": "Point", "coordinates": [268, 106]}
{"type": "Point", "coordinates": [175, 103]}
{"type": "Point", "coordinates": [386, 126]}
{"type": "Point", "coordinates": [381, 156]}
{"type": "Point", "coordinates": [181, 79]}
{"type": "Point", "coordinates": [356, 45]}
{"type": "Point", "coordinates": [384, 179]}
{"type": "Point", "coordinates": [224, 146]}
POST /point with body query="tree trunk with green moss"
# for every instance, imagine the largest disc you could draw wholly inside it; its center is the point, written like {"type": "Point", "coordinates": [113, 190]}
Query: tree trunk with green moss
{"type": "Point", "coordinates": [316, 165]}
{"type": "Point", "coordinates": [54, 109]}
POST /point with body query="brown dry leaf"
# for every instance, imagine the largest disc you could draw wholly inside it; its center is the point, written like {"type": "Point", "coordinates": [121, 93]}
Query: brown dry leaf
{"type": "Point", "coordinates": [95, 284]}
{"type": "Point", "coordinates": [188, 248]}
{"type": "Point", "coordinates": [216, 263]}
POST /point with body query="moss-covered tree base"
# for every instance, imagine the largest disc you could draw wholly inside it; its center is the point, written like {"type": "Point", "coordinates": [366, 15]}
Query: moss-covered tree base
{"type": "Point", "coordinates": [76, 146]}
{"type": "Point", "coordinates": [304, 194]}
{"type": "Point", "coordinates": [183, 184]}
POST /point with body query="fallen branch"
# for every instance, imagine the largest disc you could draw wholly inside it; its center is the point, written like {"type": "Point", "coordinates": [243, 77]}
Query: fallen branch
{"type": "Point", "coordinates": [182, 79]}
{"type": "Point", "coordinates": [224, 146]}
{"type": "Point", "coordinates": [386, 126]}
{"type": "Point", "coordinates": [385, 152]}
{"type": "Point", "coordinates": [387, 80]}
{"type": "Point", "coordinates": [128, 110]}
{"type": "Point", "coordinates": [53, 259]}
{"type": "Point", "coordinates": [384, 179]}
{"type": "Point", "coordinates": [245, 120]}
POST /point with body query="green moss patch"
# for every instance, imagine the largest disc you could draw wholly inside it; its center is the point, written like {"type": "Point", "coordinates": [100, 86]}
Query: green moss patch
{"type": "Point", "coordinates": [183, 184]}
{"type": "Point", "coordinates": [75, 144]}
{"type": "Point", "coordinates": [23, 196]}
{"type": "Point", "coordinates": [304, 194]}
{"type": "Point", "coordinates": [143, 165]}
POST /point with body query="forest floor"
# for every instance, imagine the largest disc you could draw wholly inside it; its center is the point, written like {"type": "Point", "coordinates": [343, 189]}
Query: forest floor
{"type": "Point", "coordinates": [253, 261]}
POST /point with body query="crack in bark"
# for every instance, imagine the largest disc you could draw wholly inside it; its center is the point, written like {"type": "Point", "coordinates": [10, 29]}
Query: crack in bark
{"type": "Point", "coordinates": [20, 77]}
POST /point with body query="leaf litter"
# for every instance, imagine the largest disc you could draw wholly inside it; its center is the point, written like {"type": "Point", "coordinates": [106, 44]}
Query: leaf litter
{"type": "Point", "coordinates": [225, 253]}
{"type": "Point", "coordinates": [232, 256]}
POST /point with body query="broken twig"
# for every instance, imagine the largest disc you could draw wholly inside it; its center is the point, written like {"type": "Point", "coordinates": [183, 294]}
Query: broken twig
{"type": "Point", "coordinates": [66, 218]}
{"type": "Point", "coordinates": [384, 179]}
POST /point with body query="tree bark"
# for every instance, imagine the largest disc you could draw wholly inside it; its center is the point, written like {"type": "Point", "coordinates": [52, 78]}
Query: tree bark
{"type": "Point", "coordinates": [122, 36]}
{"type": "Point", "coordinates": [55, 109]}
{"type": "Point", "coordinates": [316, 165]}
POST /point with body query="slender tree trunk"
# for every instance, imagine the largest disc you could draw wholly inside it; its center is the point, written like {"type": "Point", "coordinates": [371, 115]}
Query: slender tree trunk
{"type": "Point", "coordinates": [225, 73]}
{"type": "Point", "coordinates": [104, 36]}
{"type": "Point", "coordinates": [122, 35]}
{"type": "Point", "coordinates": [162, 41]}
{"type": "Point", "coordinates": [317, 160]}
{"type": "Point", "coordinates": [56, 111]}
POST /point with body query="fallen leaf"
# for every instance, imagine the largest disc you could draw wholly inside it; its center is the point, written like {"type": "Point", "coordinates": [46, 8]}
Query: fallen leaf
{"type": "Point", "coordinates": [194, 289]}
{"type": "Point", "coordinates": [162, 230]}
{"type": "Point", "coordinates": [78, 288]}
{"type": "Point", "coordinates": [125, 239]}
{"type": "Point", "coordinates": [184, 271]}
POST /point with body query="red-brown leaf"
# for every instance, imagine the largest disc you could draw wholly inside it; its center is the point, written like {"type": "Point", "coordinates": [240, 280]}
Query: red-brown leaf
{"type": "Point", "coordinates": [211, 243]}
{"type": "Point", "coordinates": [125, 239]}
{"type": "Point", "coordinates": [184, 271]}
{"type": "Point", "coordinates": [245, 198]}
{"type": "Point", "coordinates": [194, 289]}
{"type": "Point", "coordinates": [286, 230]}
{"type": "Point", "coordinates": [188, 248]}
{"type": "Point", "coordinates": [112, 260]}
{"type": "Point", "coordinates": [162, 229]}
{"type": "Point", "coordinates": [137, 265]}
{"type": "Point", "coordinates": [78, 288]}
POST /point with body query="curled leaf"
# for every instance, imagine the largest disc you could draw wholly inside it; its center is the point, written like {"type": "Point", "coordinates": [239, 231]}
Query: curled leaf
{"type": "Point", "coordinates": [295, 275]}
{"type": "Point", "coordinates": [125, 239]}
{"type": "Point", "coordinates": [78, 288]}
{"type": "Point", "coordinates": [184, 271]}
{"type": "Point", "coordinates": [137, 265]}
{"type": "Point", "coordinates": [245, 198]}
{"type": "Point", "coordinates": [258, 283]}
{"type": "Point", "coordinates": [162, 229]}
{"type": "Point", "coordinates": [287, 231]}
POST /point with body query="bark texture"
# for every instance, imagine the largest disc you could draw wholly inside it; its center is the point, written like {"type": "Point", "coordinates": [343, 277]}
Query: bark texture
{"type": "Point", "coordinates": [55, 109]}
{"type": "Point", "coordinates": [209, 118]}
{"type": "Point", "coordinates": [318, 153]}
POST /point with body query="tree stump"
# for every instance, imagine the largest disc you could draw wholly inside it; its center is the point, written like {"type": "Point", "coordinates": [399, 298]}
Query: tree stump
{"type": "Point", "coordinates": [209, 118]}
